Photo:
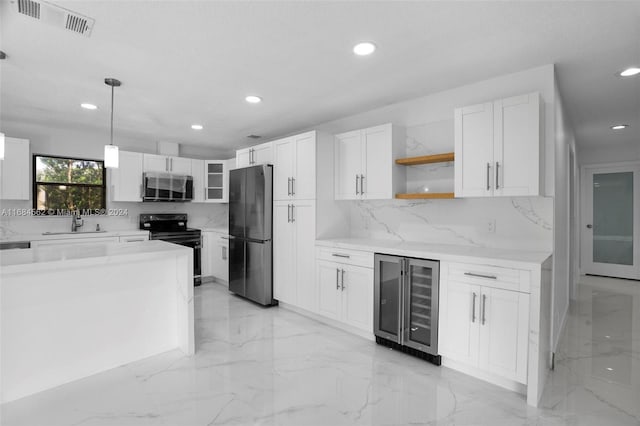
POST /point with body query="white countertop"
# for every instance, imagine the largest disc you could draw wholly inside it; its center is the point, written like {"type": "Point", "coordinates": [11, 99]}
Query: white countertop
{"type": "Point", "coordinates": [224, 230]}
{"type": "Point", "coordinates": [70, 235]}
{"type": "Point", "coordinates": [20, 260]}
{"type": "Point", "coordinates": [455, 253]}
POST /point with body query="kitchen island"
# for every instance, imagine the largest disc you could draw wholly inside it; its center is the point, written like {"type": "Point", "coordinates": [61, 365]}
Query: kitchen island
{"type": "Point", "coordinates": [67, 312]}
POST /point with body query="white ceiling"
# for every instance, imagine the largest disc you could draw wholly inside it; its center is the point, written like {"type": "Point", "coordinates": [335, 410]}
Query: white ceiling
{"type": "Point", "coordinates": [185, 62]}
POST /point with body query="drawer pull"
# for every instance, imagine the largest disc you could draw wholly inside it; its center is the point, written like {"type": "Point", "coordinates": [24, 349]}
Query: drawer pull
{"type": "Point", "coordinates": [346, 256]}
{"type": "Point", "coordinates": [491, 277]}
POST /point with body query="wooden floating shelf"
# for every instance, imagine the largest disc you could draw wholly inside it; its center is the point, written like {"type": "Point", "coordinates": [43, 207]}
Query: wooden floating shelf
{"type": "Point", "coordinates": [425, 195]}
{"type": "Point", "coordinates": [426, 159]}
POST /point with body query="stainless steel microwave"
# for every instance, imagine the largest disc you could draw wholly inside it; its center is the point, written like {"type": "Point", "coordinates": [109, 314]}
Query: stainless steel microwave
{"type": "Point", "coordinates": [158, 186]}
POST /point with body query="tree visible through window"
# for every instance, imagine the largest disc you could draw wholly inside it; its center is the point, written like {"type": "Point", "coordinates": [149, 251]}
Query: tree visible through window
{"type": "Point", "coordinates": [68, 184]}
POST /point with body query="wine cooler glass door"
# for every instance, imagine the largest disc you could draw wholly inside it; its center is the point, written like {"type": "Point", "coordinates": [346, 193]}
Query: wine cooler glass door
{"type": "Point", "coordinates": [388, 297]}
{"type": "Point", "coordinates": [421, 305]}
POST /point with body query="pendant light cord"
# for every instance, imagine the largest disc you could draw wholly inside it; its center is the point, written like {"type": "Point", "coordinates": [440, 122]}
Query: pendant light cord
{"type": "Point", "coordinates": [111, 143]}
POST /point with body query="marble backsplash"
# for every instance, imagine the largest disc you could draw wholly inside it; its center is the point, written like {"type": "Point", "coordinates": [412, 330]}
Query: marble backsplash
{"type": "Point", "coordinates": [518, 222]}
{"type": "Point", "coordinates": [125, 217]}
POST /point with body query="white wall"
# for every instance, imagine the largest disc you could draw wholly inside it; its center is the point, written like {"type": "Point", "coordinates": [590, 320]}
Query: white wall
{"type": "Point", "coordinates": [563, 259]}
{"type": "Point", "coordinates": [88, 144]}
{"type": "Point", "coordinates": [609, 154]}
{"type": "Point", "coordinates": [524, 223]}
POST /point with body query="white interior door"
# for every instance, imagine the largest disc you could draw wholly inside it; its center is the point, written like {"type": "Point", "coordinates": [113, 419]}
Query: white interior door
{"type": "Point", "coordinates": [611, 221]}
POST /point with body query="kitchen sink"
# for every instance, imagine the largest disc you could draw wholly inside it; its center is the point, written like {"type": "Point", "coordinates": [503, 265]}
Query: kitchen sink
{"type": "Point", "coordinates": [73, 233]}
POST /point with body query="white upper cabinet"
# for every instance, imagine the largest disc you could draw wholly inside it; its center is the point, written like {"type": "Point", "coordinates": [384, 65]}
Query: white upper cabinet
{"type": "Point", "coordinates": [259, 154]}
{"type": "Point", "coordinates": [167, 164]}
{"type": "Point", "coordinates": [217, 181]}
{"type": "Point", "coordinates": [126, 180]}
{"type": "Point", "coordinates": [365, 163]}
{"type": "Point", "coordinates": [14, 170]}
{"type": "Point", "coordinates": [499, 148]}
{"type": "Point", "coordinates": [294, 160]}
{"type": "Point", "coordinates": [197, 170]}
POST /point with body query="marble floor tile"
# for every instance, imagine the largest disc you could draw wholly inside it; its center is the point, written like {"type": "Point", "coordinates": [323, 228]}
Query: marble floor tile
{"type": "Point", "coordinates": [270, 366]}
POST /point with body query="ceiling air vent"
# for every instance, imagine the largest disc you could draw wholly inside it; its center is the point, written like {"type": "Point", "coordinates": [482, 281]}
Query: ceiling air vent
{"type": "Point", "coordinates": [57, 16]}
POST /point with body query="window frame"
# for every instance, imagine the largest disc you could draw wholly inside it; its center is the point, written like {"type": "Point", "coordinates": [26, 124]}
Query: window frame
{"type": "Point", "coordinates": [35, 183]}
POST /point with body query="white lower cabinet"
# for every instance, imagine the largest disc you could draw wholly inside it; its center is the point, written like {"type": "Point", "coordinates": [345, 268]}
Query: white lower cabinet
{"type": "Point", "coordinates": [133, 238]}
{"type": "Point", "coordinates": [482, 324]}
{"type": "Point", "coordinates": [75, 241]}
{"type": "Point", "coordinates": [345, 292]}
{"type": "Point", "coordinates": [215, 255]}
{"type": "Point", "coordinates": [294, 227]}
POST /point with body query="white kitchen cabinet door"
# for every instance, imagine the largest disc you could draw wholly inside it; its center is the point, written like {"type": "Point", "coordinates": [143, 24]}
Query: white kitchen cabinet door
{"type": "Point", "coordinates": [133, 238]}
{"type": "Point", "coordinates": [304, 220]}
{"type": "Point", "coordinates": [220, 258]}
{"type": "Point", "coordinates": [206, 253]}
{"type": "Point", "coordinates": [126, 180]}
{"type": "Point", "coordinates": [263, 154]}
{"type": "Point", "coordinates": [180, 166]}
{"type": "Point", "coordinates": [14, 170]}
{"type": "Point", "coordinates": [357, 297]}
{"type": "Point", "coordinates": [504, 325]}
{"type": "Point", "coordinates": [155, 163]}
{"type": "Point", "coordinates": [243, 157]}
{"type": "Point", "coordinates": [284, 285]}
{"type": "Point", "coordinates": [283, 168]}
{"type": "Point", "coordinates": [328, 275]}
{"type": "Point", "coordinates": [304, 177]}
{"type": "Point", "coordinates": [474, 150]}
{"type": "Point", "coordinates": [377, 182]}
{"type": "Point", "coordinates": [348, 165]}
{"type": "Point", "coordinates": [197, 171]}
{"type": "Point", "coordinates": [460, 321]}
{"type": "Point", "coordinates": [216, 181]}
{"type": "Point", "coordinates": [517, 146]}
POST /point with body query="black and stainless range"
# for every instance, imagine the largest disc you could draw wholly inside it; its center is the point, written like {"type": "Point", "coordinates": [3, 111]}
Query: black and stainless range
{"type": "Point", "coordinates": [172, 227]}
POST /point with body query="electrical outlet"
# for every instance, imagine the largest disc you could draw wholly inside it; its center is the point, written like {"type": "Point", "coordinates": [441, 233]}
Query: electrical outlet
{"type": "Point", "coordinates": [491, 226]}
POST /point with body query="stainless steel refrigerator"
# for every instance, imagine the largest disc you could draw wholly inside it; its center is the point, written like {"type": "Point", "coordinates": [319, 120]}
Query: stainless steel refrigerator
{"type": "Point", "coordinates": [250, 233]}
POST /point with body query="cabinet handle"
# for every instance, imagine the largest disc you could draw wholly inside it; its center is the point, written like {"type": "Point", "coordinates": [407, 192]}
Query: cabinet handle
{"type": "Point", "coordinates": [288, 213]}
{"type": "Point", "coordinates": [340, 255]}
{"type": "Point", "coordinates": [224, 253]}
{"type": "Point", "coordinates": [473, 307]}
{"type": "Point", "coordinates": [484, 307]}
{"type": "Point", "coordinates": [288, 186]}
{"type": "Point", "coordinates": [337, 279]}
{"type": "Point", "coordinates": [361, 184]}
{"type": "Point", "coordinates": [293, 217]}
{"type": "Point", "coordinates": [171, 164]}
{"type": "Point", "coordinates": [488, 172]}
{"type": "Point", "coordinates": [497, 175]}
{"type": "Point", "coordinates": [342, 279]}
{"type": "Point", "coordinates": [293, 186]}
{"type": "Point", "coordinates": [357, 177]}
{"type": "Point", "coordinates": [141, 191]}
{"type": "Point", "coordinates": [166, 164]}
{"type": "Point", "coordinates": [471, 274]}
{"type": "Point", "coordinates": [225, 238]}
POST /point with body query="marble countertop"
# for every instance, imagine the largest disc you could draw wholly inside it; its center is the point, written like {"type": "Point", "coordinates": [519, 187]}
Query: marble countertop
{"type": "Point", "coordinates": [221, 230]}
{"type": "Point", "coordinates": [455, 253]}
{"type": "Point", "coordinates": [21, 260]}
{"type": "Point", "coordinates": [70, 235]}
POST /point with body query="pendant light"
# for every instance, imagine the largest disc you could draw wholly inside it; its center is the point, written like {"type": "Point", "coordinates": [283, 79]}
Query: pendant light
{"type": "Point", "coordinates": [111, 150]}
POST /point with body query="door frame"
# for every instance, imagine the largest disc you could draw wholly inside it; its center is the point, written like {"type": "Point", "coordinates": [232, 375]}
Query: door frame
{"type": "Point", "coordinates": [586, 215]}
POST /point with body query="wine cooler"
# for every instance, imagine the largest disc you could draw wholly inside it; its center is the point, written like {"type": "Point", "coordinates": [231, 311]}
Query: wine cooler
{"type": "Point", "coordinates": [406, 305]}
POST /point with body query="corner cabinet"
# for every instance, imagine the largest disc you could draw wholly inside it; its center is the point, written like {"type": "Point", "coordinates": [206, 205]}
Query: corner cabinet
{"type": "Point", "coordinates": [499, 148]}
{"type": "Point", "coordinates": [14, 170]}
{"type": "Point", "coordinates": [364, 163]}
{"type": "Point", "coordinates": [484, 319]}
{"type": "Point", "coordinates": [126, 180]}
{"type": "Point", "coordinates": [259, 154]}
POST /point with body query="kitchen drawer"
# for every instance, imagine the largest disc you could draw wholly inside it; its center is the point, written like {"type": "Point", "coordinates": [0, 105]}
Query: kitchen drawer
{"type": "Point", "coordinates": [350, 257]}
{"type": "Point", "coordinates": [490, 276]}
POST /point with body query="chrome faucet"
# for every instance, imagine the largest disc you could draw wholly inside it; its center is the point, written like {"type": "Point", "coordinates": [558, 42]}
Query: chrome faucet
{"type": "Point", "coordinates": [76, 221]}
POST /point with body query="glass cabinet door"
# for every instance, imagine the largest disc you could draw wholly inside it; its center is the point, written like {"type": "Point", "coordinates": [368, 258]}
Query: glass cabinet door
{"type": "Point", "coordinates": [421, 305]}
{"type": "Point", "coordinates": [215, 179]}
{"type": "Point", "coordinates": [387, 299]}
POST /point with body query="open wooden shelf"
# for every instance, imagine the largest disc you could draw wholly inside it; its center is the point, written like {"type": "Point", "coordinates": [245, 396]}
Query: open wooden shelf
{"type": "Point", "coordinates": [426, 159]}
{"type": "Point", "coordinates": [425, 195]}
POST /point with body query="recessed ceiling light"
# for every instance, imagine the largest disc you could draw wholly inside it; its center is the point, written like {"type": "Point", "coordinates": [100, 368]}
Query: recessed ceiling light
{"type": "Point", "coordinates": [196, 126]}
{"type": "Point", "coordinates": [88, 106]}
{"type": "Point", "coordinates": [631, 71]}
{"type": "Point", "coordinates": [609, 368]}
{"type": "Point", "coordinates": [619, 127]}
{"type": "Point", "coordinates": [365, 48]}
{"type": "Point", "coordinates": [252, 99]}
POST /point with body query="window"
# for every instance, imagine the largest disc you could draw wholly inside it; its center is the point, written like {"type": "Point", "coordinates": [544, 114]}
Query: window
{"type": "Point", "coordinates": [62, 184]}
